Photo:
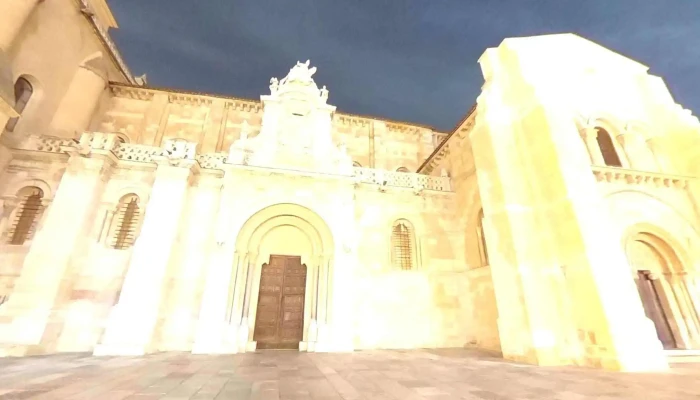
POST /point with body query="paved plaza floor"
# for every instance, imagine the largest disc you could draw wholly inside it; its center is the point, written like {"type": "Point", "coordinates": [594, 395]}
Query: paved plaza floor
{"type": "Point", "coordinates": [402, 375]}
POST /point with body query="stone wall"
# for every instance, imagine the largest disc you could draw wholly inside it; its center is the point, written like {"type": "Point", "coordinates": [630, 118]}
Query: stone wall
{"type": "Point", "coordinates": [48, 50]}
{"type": "Point", "coordinates": [147, 116]}
{"type": "Point", "coordinates": [359, 211]}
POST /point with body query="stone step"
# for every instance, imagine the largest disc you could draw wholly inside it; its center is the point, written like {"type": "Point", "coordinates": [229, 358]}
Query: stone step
{"type": "Point", "coordinates": [683, 356]}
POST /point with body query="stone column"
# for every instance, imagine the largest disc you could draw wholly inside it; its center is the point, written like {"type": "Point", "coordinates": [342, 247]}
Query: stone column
{"type": "Point", "coordinates": [639, 155]}
{"type": "Point", "coordinates": [678, 292]}
{"type": "Point", "coordinates": [590, 138]}
{"type": "Point", "coordinates": [660, 153]}
{"type": "Point", "coordinates": [13, 16]}
{"type": "Point", "coordinates": [546, 214]}
{"type": "Point", "coordinates": [80, 101]}
{"type": "Point", "coordinates": [245, 331]}
{"type": "Point", "coordinates": [311, 331]}
{"type": "Point", "coordinates": [131, 323]}
{"type": "Point", "coordinates": [45, 274]}
{"type": "Point", "coordinates": [322, 333]}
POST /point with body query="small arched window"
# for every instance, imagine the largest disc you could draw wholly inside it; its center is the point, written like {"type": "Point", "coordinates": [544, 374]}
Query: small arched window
{"type": "Point", "coordinates": [483, 251]}
{"type": "Point", "coordinates": [127, 222]}
{"type": "Point", "coordinates": [23, 92]}
{"type": "Point", "coordinates": [27, 216]}
{"type": "Point", "coordinates": [607, 149]}
{"type": "Point", "coordinates": [402, 245]}
{"type": "Point", "coordinates": [356, 164]}
{"type": "Point", "coordinates": [402, 169]}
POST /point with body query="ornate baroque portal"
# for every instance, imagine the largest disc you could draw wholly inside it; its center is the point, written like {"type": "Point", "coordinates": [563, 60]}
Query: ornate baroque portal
{"type": "Point", "coordinates": [285, 255]}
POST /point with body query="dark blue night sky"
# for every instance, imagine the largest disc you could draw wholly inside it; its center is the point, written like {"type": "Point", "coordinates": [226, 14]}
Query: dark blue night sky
{"type": "Point", "coordinates": [409, 60]}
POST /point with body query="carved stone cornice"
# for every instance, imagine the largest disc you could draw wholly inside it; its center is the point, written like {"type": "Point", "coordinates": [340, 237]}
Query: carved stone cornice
{"type": "Point", "coordinates": [634, 177]}
{"type": "Point", "coordinates": [130, 92]}
{"type": "Point", "coordinates": [351, 120]}
{"type": "Point", "coordinates": [189, 99]}
{"type": "Point", "coordinates": [443, 149]}
{"type": "Point", "coordinates": [184, 97]}
{"type": "Point", "coordinates": [114, 53]}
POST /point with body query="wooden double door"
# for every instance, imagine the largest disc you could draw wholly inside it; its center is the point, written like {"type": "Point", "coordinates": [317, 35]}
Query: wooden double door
{"type": "Point", "coordinates": [279, 322]}
{"type": "Point", "coordinates": [651, 293]}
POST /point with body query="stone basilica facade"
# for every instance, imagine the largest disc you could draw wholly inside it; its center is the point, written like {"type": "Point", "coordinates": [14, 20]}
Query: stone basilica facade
{"type": "Point", "coordinates": [557, 224]}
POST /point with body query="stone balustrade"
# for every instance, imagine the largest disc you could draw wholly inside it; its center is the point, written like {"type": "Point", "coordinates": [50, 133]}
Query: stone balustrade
{"type": "Point", "coordinates": [91, 141]}
{"type": "Point", "coordinates": [401, 179]}
{"type": "Point", "coordinates": [635, 177]}
{"type": "Point", "coordinates": [44, 143]}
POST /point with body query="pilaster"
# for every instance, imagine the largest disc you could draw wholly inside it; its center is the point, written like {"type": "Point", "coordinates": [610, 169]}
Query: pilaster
{"type": "Point", "coordinates": [131, 324]}
{"type": "Point", "coordinates": [216, 330]}
{"type": "Point", "coordinates": [46, 273]}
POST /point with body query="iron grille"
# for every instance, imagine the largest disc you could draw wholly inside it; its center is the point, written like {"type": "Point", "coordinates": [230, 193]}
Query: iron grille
{"type": "Point", "coordinates": [25, 224]}
{"type": "Point", "coordinates": [128, 219]}
{"type": "Point", "coordinates": [401, 247]}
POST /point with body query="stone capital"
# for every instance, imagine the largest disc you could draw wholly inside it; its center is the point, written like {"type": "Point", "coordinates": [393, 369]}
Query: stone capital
{"type": "Point", "coordinates": [630, 138]}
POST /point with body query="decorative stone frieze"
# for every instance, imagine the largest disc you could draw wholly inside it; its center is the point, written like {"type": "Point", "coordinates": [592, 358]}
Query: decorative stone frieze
{"type": "Point", "coordinates": [634, 177]}
{"type": "Point", "coordinates": [130, 92]}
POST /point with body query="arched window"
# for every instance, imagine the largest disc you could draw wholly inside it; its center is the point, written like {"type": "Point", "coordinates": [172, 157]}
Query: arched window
{"type": "Point", "coordinates": [402, 169]}
{"type": "Point", "coordinates": [27, 216]}
{"type": "Point", "coordinates": [402, 245]}
{"type": "Point", "coordinates": [23, 92]}
{"type": "Point", "coordinates": [128, 220]}
{"type": "Point", "coordinates": [607, 149]}
{"type": "Point", "coordinates": [356, 164]}
{"type": "Point", "coordinates": [483, 252]}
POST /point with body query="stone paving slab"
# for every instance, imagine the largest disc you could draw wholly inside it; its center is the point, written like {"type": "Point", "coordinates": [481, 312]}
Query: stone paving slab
{"type": "Point", "coordinates": [371, 375]}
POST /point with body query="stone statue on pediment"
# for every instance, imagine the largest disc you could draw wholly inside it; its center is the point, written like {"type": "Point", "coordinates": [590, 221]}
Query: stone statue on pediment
{"type": "Point", "coordinates": [296, 128]}
{"type": "Point", "coordinates": [300, 73]}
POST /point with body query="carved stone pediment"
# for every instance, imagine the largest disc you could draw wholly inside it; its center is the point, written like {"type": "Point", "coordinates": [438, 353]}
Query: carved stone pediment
{"type": "Point", "coordinates": [296, 128]}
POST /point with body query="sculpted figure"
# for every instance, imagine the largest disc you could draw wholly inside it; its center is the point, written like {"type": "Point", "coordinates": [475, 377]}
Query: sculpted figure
{"type": "Point", "coordinates": [274, 85]}
{"type": "Point", "coordinates": [324, 93]}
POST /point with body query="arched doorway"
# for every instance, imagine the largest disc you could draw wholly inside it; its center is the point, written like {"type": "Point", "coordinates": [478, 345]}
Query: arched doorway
{"type": "Point", "coordinates": [664, 295]}
{"type": "Point", "coordinates": [280, 290]}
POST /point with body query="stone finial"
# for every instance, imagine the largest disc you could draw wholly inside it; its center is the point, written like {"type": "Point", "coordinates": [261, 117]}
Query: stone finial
{"type": "Point", "coordinates": [274, 85]}
{"type": "Point", "coordinates": [324, 94]}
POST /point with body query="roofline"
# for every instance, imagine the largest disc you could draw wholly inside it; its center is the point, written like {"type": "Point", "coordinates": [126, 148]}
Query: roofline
{"type": "Point", "coordinates": [228, 97]}
{"type": "Point", "coordinates": [105, 39]}
{"type": "Point", "coordinates": [471, 111]}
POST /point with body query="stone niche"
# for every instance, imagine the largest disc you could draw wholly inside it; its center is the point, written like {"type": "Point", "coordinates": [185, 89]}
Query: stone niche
{"type": "Point", "coordinates": [296, 129]}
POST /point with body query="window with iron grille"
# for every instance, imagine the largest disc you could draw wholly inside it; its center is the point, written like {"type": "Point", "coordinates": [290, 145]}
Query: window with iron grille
{"type": "Point", "coordinates": [483, 253]}
{"type": "Point", "coordinates": [402, 246]}
{"type": "Point", "coordinates": [27, 215]}
{"type": "Point", "coordinates": [128, 217]}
